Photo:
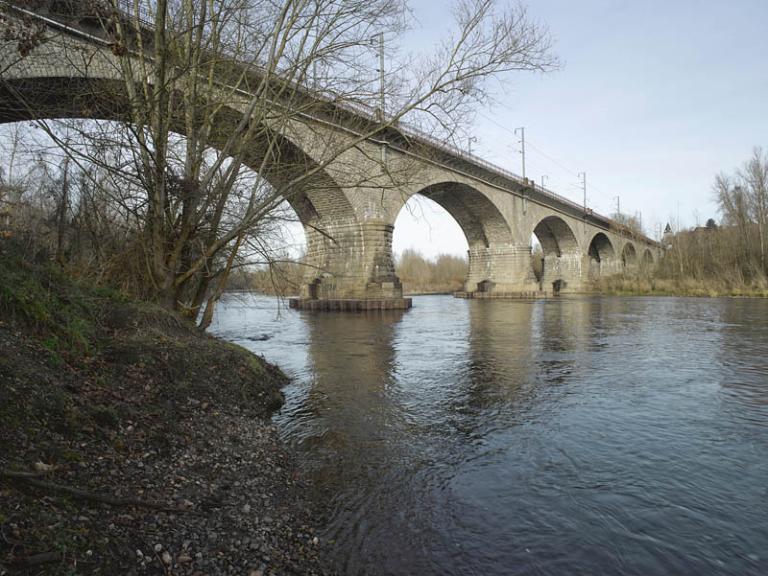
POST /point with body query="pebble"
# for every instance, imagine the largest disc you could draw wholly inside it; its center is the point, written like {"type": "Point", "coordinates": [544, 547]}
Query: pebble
{"type": "Point", "coordinates": [239, 529]}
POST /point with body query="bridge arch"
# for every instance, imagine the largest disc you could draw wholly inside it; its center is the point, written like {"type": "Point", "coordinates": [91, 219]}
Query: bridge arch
{"type": "Point", "coordinates": [562, 255]}
{"type": "Point", "coordinates": [556, 237]}
{"type": "Point", "coordinates": [485, 228]}
{"type": "Point", "coordinates": [648, 259]}
{"type": "Point", "coordinates": [93, 98]}
{"type": "Point", "coordinates": [601, 254]}
{"type": "Point", "coordinates": [629, 255]}
{"type": "Point", "coordinates": [71, 91]}
{"type": "Point", "coordinates": [481, 221]}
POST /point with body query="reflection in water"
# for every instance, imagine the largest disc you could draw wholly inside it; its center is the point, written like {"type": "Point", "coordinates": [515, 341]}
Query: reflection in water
{"type": "Point", "coordinates": [578, 436]}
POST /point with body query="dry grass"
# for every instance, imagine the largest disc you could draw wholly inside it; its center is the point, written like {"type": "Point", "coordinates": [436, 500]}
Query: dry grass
{"type": "Point", "coordinates": [651, 286]}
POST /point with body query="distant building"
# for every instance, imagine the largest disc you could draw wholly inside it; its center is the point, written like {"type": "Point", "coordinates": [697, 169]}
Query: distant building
{"type": "Point", "coordinates": [666, 238]}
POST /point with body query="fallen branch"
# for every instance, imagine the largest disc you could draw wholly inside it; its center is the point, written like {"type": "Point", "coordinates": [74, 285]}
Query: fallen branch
{"type": "Point", "coordinates": [31, 478]}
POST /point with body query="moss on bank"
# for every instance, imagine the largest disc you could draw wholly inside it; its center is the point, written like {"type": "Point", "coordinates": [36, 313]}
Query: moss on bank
{"type": "Point", "coordinates": [68, 347]}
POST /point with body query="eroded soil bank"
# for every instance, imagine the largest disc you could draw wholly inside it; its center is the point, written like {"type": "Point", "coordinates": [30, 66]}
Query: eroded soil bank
{"type": "Point", "coordinates": [132, 444]}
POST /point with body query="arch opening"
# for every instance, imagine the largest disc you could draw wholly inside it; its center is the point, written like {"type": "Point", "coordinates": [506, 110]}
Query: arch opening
{"type": "Point", "coordinates": [429, 248]}
{"type": "Point", "coordinates": [629, 255]}
{"type": "Point", "coordinates": [470, 224]}
{"type": "Point", "coordinates": [601, 253]}
{"type": "Point", "coordinates": [100, 211]}
{"type": "Point", "coordinates": [560, 255]}
{"type": "Point", "coordinates": [324, 211]}
{"type": "Point", "coordinates": [648, 260]}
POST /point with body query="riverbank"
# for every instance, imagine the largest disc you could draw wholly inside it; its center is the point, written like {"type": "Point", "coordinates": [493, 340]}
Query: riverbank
{"type": "Point", "coordinates": [646, 286]}
{"type": "Point", "coordinates": [133, 444]}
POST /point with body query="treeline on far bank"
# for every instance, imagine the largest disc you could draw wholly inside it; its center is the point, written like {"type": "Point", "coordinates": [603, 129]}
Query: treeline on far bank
{"type": "Point", "coordinates": [714, 260]}
{"type": "Point", "coordinates": [725, 259]}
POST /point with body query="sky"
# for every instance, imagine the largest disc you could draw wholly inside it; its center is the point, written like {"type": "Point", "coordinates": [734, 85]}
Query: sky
{"type": "Point", "coordinates": [652, 100]}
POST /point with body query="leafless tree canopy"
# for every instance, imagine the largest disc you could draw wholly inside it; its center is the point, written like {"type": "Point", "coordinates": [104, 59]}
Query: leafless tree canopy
{"type": "Point", "coordinates": [743, 202]}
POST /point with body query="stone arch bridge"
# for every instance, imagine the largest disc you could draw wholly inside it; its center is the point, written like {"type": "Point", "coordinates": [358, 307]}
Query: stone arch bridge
{"type": "Point", "coordinates": [350, 206]}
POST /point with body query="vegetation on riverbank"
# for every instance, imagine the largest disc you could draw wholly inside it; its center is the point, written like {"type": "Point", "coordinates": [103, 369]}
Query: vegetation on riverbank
{"type": "Point", "coordinates": [132, 442]}
{"type": "Point", "coordinates": [633, 285]}
{"type": "Point", "coordinates": [444, 274]}
{"type": "Point", "coordinates": [726, 259]}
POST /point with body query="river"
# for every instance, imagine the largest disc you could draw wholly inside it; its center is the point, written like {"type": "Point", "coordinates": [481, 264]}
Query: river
{"type": "Point", "coordinates": [585, 435]}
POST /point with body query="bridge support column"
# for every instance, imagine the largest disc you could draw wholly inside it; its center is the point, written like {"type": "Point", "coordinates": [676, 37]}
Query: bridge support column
{"type": "Point", "coordinates": [350, 267]}
{"type": "Point", "coordinates": [498, 271]}
{"type": "Point", "coordinates": [562, 274]}
{"type": "Point", "coordinates": [604, 267]}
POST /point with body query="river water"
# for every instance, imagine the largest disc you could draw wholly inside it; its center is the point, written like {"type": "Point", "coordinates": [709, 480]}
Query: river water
{"type": "Point", "coordinates": [569, 436]}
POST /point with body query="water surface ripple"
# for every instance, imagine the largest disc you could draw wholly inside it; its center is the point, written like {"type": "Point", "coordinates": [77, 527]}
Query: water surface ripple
{"type": "Point", "coordinates": [572, 436]}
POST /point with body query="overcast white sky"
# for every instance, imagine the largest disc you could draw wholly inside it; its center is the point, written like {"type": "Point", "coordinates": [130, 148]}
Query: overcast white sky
{"type": "Point", "coordinates": [653, 99]}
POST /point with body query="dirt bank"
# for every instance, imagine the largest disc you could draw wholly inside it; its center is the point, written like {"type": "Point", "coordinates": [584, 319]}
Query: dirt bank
{"type": "Point", "coordinates": [132, 444]}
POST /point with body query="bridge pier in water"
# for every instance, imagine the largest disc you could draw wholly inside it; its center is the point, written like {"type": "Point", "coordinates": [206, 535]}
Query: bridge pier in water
{"type": "Point", "coordinates": [500, 272]}
{"type": "Point", "coordinates": [350, 268]}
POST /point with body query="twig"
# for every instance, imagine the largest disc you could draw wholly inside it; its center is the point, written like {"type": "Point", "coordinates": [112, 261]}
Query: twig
{"type": "Point", "coordinates": [31, 478]}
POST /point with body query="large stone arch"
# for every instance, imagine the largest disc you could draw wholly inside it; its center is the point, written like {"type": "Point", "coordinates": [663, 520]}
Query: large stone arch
{"type": "Point", "coordinates": [648, 259]}
{"type": "Point", "coordinates": [65, 78]}
{"type": "Point", "coordinates": [562, 255]}
{"type": "Point", "coordinates": [488, 234]}
{"type": "Point", "coordinates": [602, 255]}
{"type": "Point", "coordinates": [629, 256]}
{"type": "Point", "coordinates": [481, 221]}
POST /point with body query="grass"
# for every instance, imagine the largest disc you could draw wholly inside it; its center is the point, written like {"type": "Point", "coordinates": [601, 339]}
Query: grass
{"type": "Point", "coordinates": [651, 286]}
{"type": "Point", "coordinates": [45, 300]}
{"type": "Point", "coordinates": [76, 358]}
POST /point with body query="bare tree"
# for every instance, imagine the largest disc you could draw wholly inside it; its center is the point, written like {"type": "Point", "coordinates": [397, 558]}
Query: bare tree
{"type": "Point", "coordinates": [233, 77]}
{"type": "Point", "coordinates": [754, 176]}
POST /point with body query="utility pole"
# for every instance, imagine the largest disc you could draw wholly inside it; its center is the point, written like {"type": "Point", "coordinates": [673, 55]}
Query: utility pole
{"type": "Point", "coordinates": [382, 100]}
{"type": "Point", "coordinates": [469, 143]}
{"type": "Point", "coordinates": [583, 176]}
{"type": "Point", "coordinates": [522, 142]}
